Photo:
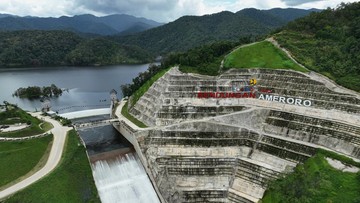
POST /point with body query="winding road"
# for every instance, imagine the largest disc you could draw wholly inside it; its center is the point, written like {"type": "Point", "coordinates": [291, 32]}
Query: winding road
{"type": "Point", "coordinates": [57, 148]}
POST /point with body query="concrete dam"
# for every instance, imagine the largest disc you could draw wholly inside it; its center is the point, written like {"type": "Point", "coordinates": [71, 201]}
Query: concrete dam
{"type": "Point", "coordinates": [223, 138]}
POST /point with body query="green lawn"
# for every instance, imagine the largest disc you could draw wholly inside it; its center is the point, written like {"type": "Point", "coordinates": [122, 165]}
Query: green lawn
{"type": "Point", "coordinates": [45, 126]}
{"type": "Point", "coordinates": [145, 87]}
{"type": "Point", "coordinates": [71, 181]}
{"type": "Point", "coordinates": [124, 112]}
{"type": "Point", "coordinates": [19, 158]}
{"type": "Point", "coordinates": [17, 115]}
{"type": "Point", "coordinates": [260, 55]}
{"type": "Point", "coordinates": [316, 181]}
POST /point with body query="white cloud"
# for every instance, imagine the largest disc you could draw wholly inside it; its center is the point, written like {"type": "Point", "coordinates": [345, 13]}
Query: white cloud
{"type": "Point", "coordinates": [35, 7]}
{"type": "Point", "coordinates": [323, 4]}
{"type": "Point", "coordinates": [159, 10]}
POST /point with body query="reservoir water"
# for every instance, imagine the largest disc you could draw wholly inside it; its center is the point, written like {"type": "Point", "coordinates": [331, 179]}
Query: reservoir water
{"type": "Point", "coordinates": [88, 87]}
{"type": "Point", "coordinates": [120, 178]}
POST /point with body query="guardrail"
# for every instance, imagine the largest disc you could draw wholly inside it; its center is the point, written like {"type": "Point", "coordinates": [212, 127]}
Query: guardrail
{"type": "Point", "coordinates": [12, 139]}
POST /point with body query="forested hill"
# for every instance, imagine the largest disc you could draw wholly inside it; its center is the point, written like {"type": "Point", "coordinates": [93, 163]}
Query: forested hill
{"type": "Point", "coordinates": [40, 48]}
{"type": "Point", "coordinates": [328, 42]}
{"type": "Point", "coordinates": [106, 25]}
{"type": "Point", "coordinates": [192, 31]}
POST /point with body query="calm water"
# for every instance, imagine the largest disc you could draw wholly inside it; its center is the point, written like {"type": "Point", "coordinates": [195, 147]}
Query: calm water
{"type": "Point", "coordinates": [88, 86]}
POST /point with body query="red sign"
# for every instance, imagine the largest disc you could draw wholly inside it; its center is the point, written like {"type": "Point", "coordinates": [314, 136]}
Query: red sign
{"type": "Point", "coordinates": [226, 95]}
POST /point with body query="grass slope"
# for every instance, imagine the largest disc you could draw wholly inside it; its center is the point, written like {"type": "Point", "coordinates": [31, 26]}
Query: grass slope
{"type": "Point", "coordinates": [71, 181]}
{"type": "Point", "coordinates": [316, 181]}
{"type": "Point", "coordinates": [145, 87]}
{"type": "Point", "coordinates": [124, 112]}
{"type": "Point", "coordinates": [19, 158]}
{"type": "Point", "coordinates": [260, 55]}
{"type": "Point", "coordinates": [136, 96]}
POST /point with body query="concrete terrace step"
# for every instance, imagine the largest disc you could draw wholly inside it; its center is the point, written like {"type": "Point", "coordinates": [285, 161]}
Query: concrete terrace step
{"type": "Point", "coordinates": [227, 150]}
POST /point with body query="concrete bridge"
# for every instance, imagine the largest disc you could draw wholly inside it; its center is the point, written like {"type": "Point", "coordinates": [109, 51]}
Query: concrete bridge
{"type": "Point", "coordinates": [96, 123]}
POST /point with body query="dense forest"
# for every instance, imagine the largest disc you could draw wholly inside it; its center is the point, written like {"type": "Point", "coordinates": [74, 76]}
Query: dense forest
{"type": "Point", "coordinates": [192, 31]}
{"type": "Point", "coordinates": [101, 51]}
{"type": "Point", "coordinates": [328, 42]}
{"type": "Point", "coordinates": [46, 48]}
{"type": "Point", "coordinates": [42, 48]}
{"type": "Point", "coordinates": [36, 47]}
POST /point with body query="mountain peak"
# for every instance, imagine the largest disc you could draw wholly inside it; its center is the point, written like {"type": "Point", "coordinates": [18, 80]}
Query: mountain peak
{"type": "Point", "coordinates": [85, 23]}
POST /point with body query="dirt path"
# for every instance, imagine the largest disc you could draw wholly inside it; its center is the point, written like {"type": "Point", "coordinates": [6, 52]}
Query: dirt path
{"type": "Point", "coordinates": [316, 76]}
{"type": "Point", "coordinates": [236, 48]}
{"type": "Point", "coordinates": [275, 43]}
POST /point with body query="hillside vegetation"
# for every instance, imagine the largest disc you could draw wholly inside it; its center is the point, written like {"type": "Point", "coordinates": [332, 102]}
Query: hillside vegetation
{"type": "Point", "coordinates": [103, 52]}
{"type": "Point", "coordinates": [46, 48]}
{"type": "Point", "coordinates": [316, 181]}
{"type": "Point", "coordinates": [328, 42]}
{"type": "Point", "coordinates": [34, 45]}
{"type": "Point", "coordinates": [260, 55]}
{"type": "Point", "coordinates": [192, 31]}
{"type": "Point", "coordinates": [205, 59]}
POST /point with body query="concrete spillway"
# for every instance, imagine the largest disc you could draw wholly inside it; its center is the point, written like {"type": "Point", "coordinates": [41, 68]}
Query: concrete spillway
{"type": "Point", "coordinates": [123, 180]}
{"type": "Point", "coordinates": [118, 174]}
{"type": "Point", "coordinates": [86, 113]}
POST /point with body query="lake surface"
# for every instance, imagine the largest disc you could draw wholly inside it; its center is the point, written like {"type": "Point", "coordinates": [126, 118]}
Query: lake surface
{"type": "Point", "coordinates": [88, 87]}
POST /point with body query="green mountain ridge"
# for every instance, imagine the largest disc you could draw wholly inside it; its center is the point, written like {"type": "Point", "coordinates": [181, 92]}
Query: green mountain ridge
{"type": "Point", "coordinates": [193, 31]}
{"type": "Point", "coordinates": [327, 42]}
{"type": "Point", "coordinates": [42, 48]}
{"type": "Point", "coordinates": [48, 48]}
{"type": "Point", "coordinates": [106, 25]}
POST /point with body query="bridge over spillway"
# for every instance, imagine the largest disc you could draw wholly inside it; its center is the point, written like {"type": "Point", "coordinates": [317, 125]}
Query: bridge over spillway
{"type": "Point", "coordinates": [89, 113]}
{"type": "Point", "coordinates": [96, 123]}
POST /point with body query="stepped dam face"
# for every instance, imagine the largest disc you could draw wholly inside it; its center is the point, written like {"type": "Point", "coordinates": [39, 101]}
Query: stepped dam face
{"type": "Point", "coordinates": [253, 126]}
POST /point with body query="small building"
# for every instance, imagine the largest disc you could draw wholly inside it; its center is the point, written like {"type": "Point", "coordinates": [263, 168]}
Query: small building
{"type": "Point", "coordinates": [113, 95]}
{"type": "Point", "coordinates": [45, 105]}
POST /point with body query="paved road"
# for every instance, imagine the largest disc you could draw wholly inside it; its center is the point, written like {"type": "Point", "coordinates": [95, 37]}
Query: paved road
{"type": "Point", "coordinates": [59, 133]}
{"type": "Point", "coordinates": [121, 117]}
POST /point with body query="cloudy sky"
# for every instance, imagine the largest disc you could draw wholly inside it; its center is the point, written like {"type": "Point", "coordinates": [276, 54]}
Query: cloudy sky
{"type": "Point", "coordinates": [159, 10]}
